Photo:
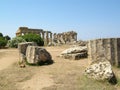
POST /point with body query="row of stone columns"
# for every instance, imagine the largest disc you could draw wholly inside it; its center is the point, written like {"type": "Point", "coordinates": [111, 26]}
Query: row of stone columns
{"type": "Point", "coordinates": [65, 36]}
{"type": "Point", "coordinates": [47, 36]}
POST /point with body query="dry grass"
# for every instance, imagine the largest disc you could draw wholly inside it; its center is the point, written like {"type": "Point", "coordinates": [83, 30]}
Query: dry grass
{"type": "Point", "coordinates": [66, 74]}
{"type": "Point", "coordinates": [12, 75]}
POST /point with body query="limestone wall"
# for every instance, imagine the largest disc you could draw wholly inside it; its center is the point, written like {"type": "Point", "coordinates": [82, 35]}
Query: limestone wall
{"type": "Point", "coordinates": [108, 48]}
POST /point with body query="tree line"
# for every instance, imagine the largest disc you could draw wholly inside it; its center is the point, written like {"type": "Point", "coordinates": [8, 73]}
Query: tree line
{"type": "Point", "coordinates": [6, 41]}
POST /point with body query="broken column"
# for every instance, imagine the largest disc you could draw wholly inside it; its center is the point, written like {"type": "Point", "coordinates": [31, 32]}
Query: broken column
{"type": "Point", "coordinates": [43, 35]}
{"type": "Point", "coordinates": [50, 37]}
{"type": "Point", "coordinates": [103, 53]}
{"type": "Point", "coordinates": [46, 41]}
{"type": "Point", "coordinates": [22, 47]}
{"type": "Point", "coordinates": [108, 48]}
{"type": "Point", "coordinates": [38, 55]}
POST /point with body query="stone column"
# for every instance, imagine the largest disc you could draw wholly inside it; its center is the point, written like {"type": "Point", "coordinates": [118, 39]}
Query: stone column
{"type": "Point", "coordinates": [50, 37]}
{"type": "Point", "coordinates": [108, 49]}
{"type": "Point", "coordinates": [75, 37]}
{"type": "Point", "coordinates": [46, 37]}
{"type": "Point", "coordinates": [43, 35]}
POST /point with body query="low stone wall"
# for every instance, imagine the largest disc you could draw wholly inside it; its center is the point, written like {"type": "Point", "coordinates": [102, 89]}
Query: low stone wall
{"type": "Point", "coordinates": [108, 48]}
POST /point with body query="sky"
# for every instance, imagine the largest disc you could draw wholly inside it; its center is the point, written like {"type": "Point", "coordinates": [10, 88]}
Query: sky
{"type": "Point", "coordinates": [89, 18]}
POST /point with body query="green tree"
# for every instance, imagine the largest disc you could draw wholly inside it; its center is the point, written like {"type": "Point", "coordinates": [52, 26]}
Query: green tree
{"type": "Point", "coordinates": [1, 35]}
{"type": "Point", "coordinates": [33, 38]}
{"type": "Point", "coordinates": [15, 41]}
{"type": "Point", "coordinates": [7, 37]}
{"type": "Point", "coordinates": [3, 42]}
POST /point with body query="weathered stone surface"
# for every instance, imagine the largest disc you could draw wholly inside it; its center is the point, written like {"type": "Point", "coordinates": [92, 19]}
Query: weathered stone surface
{"type": "Point", "coordinates": [108, 48]}
{"type": "Point", "coordinates": [22, 51]}
{"type": "Point", "coordinates": [75, 53]}
{"type": "Point", "coordinates": [65, 37]}
{"type": "Point", "coordinates": [23, 46]}
{"type": "Point", "coordinates": [76, 56]}
{"type": "Point", "coordinates": [81, 43]}
{"type": "Point", "coordinates": [38, 55]}
{"type": "Point", "coordinates": [100, 71]}
{"type": "Point", "coordinates": [77, 49]}
{"type": "Point", "coordinates": [52, 44]}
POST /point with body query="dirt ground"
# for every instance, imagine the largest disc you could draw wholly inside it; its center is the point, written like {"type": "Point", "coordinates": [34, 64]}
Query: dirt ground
{"type": "Point", "coordinates": [63, 74]}
{"type": "Point", "coordinates": [8, 57]}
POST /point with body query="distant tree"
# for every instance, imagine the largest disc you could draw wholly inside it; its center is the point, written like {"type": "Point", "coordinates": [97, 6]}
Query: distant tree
{"type": "Point", "coordinates": [7, 37]}
{"type": "Point", "coordinates": [13, 43]}
{"type": "Point", "coordinates": [1, 35]}
{"type": "Point", "coordinates": [3, 42]}
{"type": "Point", "coordinates": [33, 38]}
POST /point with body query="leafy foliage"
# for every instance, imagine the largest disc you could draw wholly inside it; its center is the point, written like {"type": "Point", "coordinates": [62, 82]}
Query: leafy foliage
{"type": "Point", "coordinates": [15, 41]}
{"type": "Point", "coordinates": [33, 38]}
{"type": "Point", "coordinates": [1, 35]}
{"type": "Point", "coordinates": [3, 42]}
{"type": "Point", "coordinates": [7, 37]}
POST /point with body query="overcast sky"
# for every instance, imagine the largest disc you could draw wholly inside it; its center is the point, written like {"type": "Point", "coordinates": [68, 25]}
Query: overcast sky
{"type": "Point", "coordinates": [89, 18]}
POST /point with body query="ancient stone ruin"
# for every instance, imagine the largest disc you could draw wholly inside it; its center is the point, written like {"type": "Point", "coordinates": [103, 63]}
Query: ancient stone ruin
{"type": "Point", "coordinates": [38, 55]}
{"type": "Point", "coordinates": [75, 53]}
{"type": "Point", "coordinates": [46, 35]}
{"type": "Point", "coordinates": [103, 53]}
{"type": "Point", "coordinates": [108, 48]}
{"type": "Point", "coordinates": [22, 47]}
{"type": "Point", "coordinates": [100, 70]}
{"type": "Point", "coordinates": [65, 37]}
{"type": "Point", "coordinates": [31, 54]}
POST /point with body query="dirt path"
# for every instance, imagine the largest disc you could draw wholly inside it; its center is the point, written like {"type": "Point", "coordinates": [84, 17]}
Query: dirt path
{"type": "Point", "coordinates": [8, 57]}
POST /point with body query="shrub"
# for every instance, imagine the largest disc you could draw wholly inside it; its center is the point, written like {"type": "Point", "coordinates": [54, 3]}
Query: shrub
{"type": "Point", "coordinates": [33, 38]}
{"type": "Point", "coordinates": [3, 42]}
{"type": "Point", "coordinates": [15, 41]}
{"type": "Point", "coordinates": [1, 35]}
{"type": "Point", "coordinates": [7, 37]}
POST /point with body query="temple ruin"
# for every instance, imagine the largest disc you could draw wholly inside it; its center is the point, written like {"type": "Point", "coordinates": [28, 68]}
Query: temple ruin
{"type": "Point", "coordinates": [46, 35]}
{"type": "Point", "coordinates": [65, 37]}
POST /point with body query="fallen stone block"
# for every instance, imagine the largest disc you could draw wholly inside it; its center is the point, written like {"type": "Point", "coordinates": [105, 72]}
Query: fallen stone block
{"type": "Point", "coordinates": [22, 51]}
{"type": "Point", "coordinates": [75, 53]}
{"type": "Point", "coordinates": [23, 46]}
{"type": "Point", "coordinates": [76, 56]}
{"type": "Point", "coordinates": [38, 55]}
{"type": "Point", "coordinates": [101, 70]}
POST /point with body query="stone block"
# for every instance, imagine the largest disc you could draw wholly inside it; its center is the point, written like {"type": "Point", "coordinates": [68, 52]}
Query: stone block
{"type": "Point", "coordinates": [23, 46]}
{"type": "Point", "coordinates": [38, 55]}
{"type": "Point", "coordinates": [75, 53]}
